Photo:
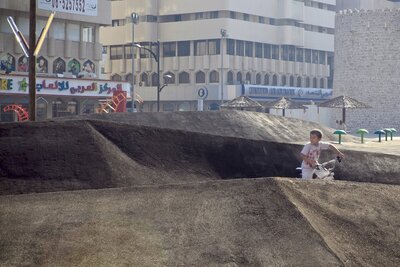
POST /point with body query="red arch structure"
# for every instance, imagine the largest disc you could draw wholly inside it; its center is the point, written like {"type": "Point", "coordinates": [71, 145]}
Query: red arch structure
{"type": "Point", "coordinates": [21, 112]}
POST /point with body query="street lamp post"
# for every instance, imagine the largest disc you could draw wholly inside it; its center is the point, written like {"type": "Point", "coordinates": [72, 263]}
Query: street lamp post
{"type": "Point", "coordinates": [32, 60]}
{"type": "Point", "coordinates": [157, 59]}
{"type": "Point", "coordinates": [223, 36]}
{"type": "Point", "coordinates": [135, 19]}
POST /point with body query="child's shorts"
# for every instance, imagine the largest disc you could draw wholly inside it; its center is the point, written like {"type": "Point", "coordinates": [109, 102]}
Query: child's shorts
{"type": "Point", "coordinates": [307, 173]}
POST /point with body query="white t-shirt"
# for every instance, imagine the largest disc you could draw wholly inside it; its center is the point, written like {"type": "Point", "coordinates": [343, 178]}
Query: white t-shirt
{"type": "Point", "coordinates": [313, 152]}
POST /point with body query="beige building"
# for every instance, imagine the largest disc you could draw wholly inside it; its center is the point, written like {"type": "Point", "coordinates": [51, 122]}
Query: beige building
{"type": "Point", "coordinates": [276, 45]}
{"type": "Point", "coordinates": [67, 65]}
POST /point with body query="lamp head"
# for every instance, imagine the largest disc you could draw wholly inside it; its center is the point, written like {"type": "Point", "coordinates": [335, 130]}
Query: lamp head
{"type": "Point", "coordinates": [223, 32]}
{"type": "Point", "coordinates": [134, 17]}
{"type": "Point", "coordinates": [167, 78]}
{"type": "Point", "coordinates": [137, 45]}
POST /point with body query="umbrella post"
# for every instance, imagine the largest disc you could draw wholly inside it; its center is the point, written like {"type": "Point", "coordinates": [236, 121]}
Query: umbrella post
{"type": "Point", "coordinates": [283, 112]}
{"type": "Point", "coordinates": [343, 115]}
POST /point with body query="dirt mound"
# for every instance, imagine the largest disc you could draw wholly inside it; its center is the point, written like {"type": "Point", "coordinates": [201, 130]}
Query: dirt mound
{"type": "Point", "coordinates": [232, 123]}
{"type": "Point", "coordinates": [82, 154]}
{"type": "Point", "coordinates": [245, 222]}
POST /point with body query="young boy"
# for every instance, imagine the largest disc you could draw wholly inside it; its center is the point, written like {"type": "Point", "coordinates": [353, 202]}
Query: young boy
{"type": "Point", "coordinates": [311, 152]}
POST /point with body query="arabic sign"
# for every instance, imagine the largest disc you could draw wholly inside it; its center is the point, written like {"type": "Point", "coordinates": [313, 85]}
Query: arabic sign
{"type": "Point", "coordinates": [80, 7]}
{"type": "Point", "coordinates": [62, 87]}
{"type": "Point", "coordinates": [257, 91]}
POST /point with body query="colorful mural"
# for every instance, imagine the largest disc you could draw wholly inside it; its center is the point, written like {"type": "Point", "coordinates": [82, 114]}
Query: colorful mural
{"type": "Point", "coordinates": [59, 66]}
{"type": "Point", "coordinates": [7, 63]}
{"type": "Point", "coordinates": [74, 66]}
{"type": "Point", "coordinates": [41, 65]}
{"type": "Point", "coordinates": [23, 64]}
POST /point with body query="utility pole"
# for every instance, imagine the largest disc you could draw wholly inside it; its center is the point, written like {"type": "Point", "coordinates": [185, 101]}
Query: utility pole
{"type": "Point", "coordinates": [32, 60]}
{"type": "Point", "coordinates": [223, 36]}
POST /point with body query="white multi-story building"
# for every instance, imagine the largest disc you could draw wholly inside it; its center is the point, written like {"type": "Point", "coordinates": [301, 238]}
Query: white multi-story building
{"type": "Point", "coordinates": [261, 48]}
{"type": "Point", "coordinates": [68, 64]}
{"type": "Point", "coordinates": [366, 4]}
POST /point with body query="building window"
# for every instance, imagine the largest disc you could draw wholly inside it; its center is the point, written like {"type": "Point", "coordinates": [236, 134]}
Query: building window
{"type": "Point", "coordinates": [230, 47]}
{"type": "Point", "coordinates": [200, 77]}
{"type": "Point", "coordinates": [248, 77]}
{"type": "Point", "coordinates": [267, 51]}
{"type": "Point", "coordinates": [41, 109]}
{"type": "Point", "coordinates": [249, 49]}
{"type": "Point", "coordinates": [74, 33]}
{"type": "Point", "coordinates": [116, 52]}
{"type": "Point", "coordinates": [259, 50]}
{"type": "Point", "coordinates": [246, 17]}
{"type": "Point", "coordinates": [230, 77]}
{"type": "Point", "coordinates": [274, 80]}
{"type": "Point", "coordinates": [169, 49]}
{"type": "Point", "coordinates": [321, 83]}
{"type": "Point", "coordinates": [292, 53]}
{"type": "Point", "coordinates": [214, 77]}
{"type": "Point", "coordinates": [321, 57]}
{"type": "Point", "coordinates": [285, 52]}
{"type": "Point", "coordinates": [275, 51]}
{"type": "Point", "coordinates": [116, 77]}
{"type": "Point", "coordinates": [128, 51]}
{"type": "Point", "coordinates": [315, 83]}
{"type": "Point", "coordinates": [239, 48]}
{"type": "Point", "coordinates": [266, 79]}
{"type": "Point", "coordinates": [184, 48]}
{"type": "Point", "coordinates": [72, 107]}
{"type": "Point", "coordinates": [283, 80]}
{"type": "Point", "coordinates": [232, 14]}
{"type": "Point", "coordinates": [58, 30]}
{"type": "Point", "coordinates": [128, 78]}
{"type": "Point", "coordinates": [172, 79]}
{"type": "Point", "coordinates": [258, 78]}
{"type": "Point", "coordinates": [114, 22]}
{"type": "Point", "coordinates": [307, 55]}
{"type": "Point", "coordinates": [291, 81]}
{"type": "Point", "coordinates": [308, 82]}
{"type": "Point", "coordinates": [88, 34]}
{"type": "Point", "coordinates": [213, 47]}
{"type": "Point", "coordinates": [184, 77]}
{"type": "Point", "coordinates": [168, 107]}
{"type": "Point", "coordinates": [200, 48]}
{"type": "Point", "coordinates": [144, 79]}
{"type": "Point", "coordinates": [199, 15]}
{"type": "Point", "coordinates": [213, 14]}
{"type": "Point", "coordinates": [299, 55]}
{"type": "Point", "coordinates": [151, 18]}
{"type": "Point", "coordinates": [314, 56]}
{"type": "Point", "coordinates": [239, 77]}
{"type": "Point", "coordinates": [299, 83]}
{"type": "Point", "coordinates": [154, 79]}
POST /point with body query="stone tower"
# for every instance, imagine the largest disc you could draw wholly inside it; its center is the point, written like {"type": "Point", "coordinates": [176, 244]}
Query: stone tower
{"type": "Point", "coordinates": [367, 66]}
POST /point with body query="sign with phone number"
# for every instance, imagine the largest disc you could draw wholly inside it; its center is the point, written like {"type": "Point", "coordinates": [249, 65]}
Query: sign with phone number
{"type": "Point", "coordinates": [80, 7]}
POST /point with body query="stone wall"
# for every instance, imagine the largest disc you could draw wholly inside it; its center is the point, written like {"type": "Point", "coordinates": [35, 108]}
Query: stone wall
{"type": "Point", "coordinates": [367, 67]}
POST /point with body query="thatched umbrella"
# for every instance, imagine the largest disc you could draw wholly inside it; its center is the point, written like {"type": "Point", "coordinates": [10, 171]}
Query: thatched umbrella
{"type": "Point", "coordinates": [284, 103]}
{"type": "Point", "coordinates": [343, 102]}
{"type": "Point", "coordinates": [242, 103]}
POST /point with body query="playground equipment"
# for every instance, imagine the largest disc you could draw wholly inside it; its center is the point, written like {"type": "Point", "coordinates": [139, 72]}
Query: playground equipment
{"type": "Point", "coordinates": [113, 104]}
{"type": "Point", "coordinates": [21, 112]}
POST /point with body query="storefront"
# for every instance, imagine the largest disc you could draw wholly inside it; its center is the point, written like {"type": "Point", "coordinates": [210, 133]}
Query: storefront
{"type": "Point", "coordinates": [56, 96]}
